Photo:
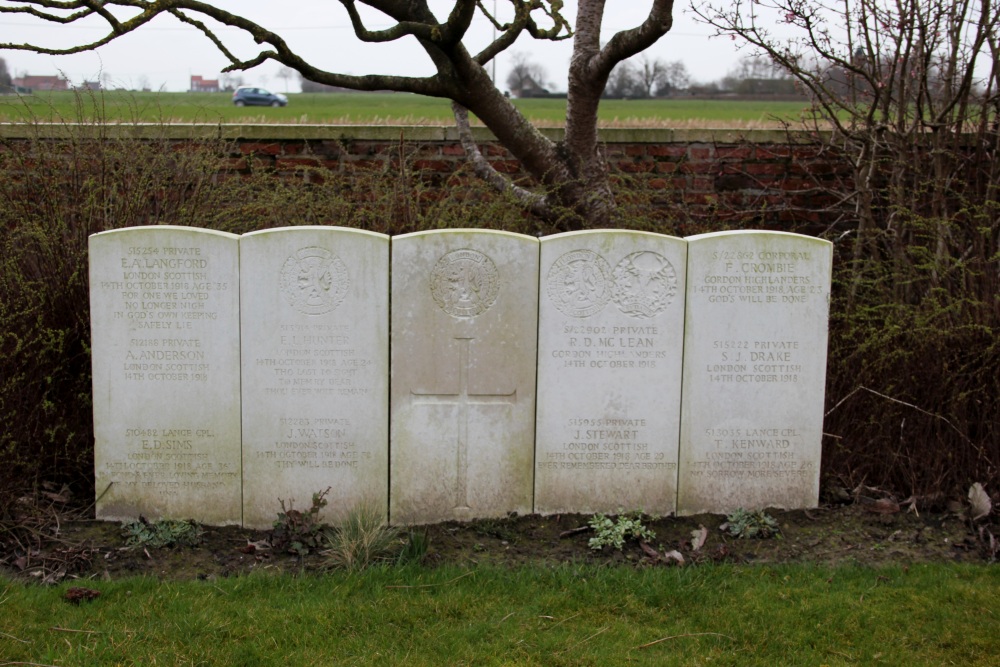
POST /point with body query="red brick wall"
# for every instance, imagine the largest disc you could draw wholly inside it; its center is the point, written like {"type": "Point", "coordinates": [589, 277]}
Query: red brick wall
{"type": "Point", "coordinates": [767, 178]}
{"type": "Point", "coordinates": [763, 178]}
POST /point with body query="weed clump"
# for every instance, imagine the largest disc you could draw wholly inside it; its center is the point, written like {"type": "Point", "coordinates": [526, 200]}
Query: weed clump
{"type": "Point", "coordinates": [164, 533]}
{"type": "Point", "coordinates": [614, 533]}
{"type": "Point", "coordinates": [362, 539]}
{"type": "Point", "coordinates": [299, 532]}
{"type": "Point", "coordinates": [744, 524]}
{"type": "Point", "coordinates": [414, 549]}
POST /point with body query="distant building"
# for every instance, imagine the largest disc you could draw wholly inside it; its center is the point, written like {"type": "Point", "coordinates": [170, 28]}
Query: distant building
{"type": "Point", "coordinates": [41, 82]}
{"type": "Point", "coordinates": [201, 85]}
{"type": "Point", "coordinates": [90, 85]}
{"type": "Point", "coordinates": [530, 88]}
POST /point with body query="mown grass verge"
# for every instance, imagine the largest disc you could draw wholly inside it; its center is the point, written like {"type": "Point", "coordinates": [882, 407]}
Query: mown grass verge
{"type": "Point", "coordinates": [377, 109]}
{"type": "Point", "coordinates": [570, 615]}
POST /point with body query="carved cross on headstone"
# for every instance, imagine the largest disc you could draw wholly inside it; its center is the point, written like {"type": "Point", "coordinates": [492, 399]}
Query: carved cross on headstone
{"type": "Point", "coordinates": [464, 400]}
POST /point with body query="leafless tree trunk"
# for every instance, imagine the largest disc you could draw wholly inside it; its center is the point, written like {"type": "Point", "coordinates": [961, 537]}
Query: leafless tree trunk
{"type": "Point", "coordinates": [572, 175]}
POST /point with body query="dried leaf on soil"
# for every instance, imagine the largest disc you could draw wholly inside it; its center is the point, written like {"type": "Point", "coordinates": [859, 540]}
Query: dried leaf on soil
{"type": "Point", "coordinates": [883, 506]}
{"type": "Point", "coordinates": [698, 538]}
{"type": "Point", "coordinates": [77, 594]}
{"type": "Point", "coordinates": [650, 551]}
{"type": "Point", "coordinates": [979, 501]}
{"type": "Point", "coordinates": [675, 556]}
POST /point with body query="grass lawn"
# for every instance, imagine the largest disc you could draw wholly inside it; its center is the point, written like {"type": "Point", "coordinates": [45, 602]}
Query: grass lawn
{"type": "Point", "coordinates": [567, 615]}
{"type": "Point", "coordinates": [366, 108]}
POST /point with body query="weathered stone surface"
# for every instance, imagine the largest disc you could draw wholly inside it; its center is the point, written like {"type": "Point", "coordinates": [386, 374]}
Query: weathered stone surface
{"type": "Point", "coordinates": [315, 322]}
{"type": "Point", "coordinates": [166, 346]}
{"type": "Point", "coordinates": [166, 324]}
{"type": "Point", "coordinates": [754, 371]}
{"type": "Point", "coordinates": [464, 335]}
{"type": "Point", "coordinates": [610, 347]}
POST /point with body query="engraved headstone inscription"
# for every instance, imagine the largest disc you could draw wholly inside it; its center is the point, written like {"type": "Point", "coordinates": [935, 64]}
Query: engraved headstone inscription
{"type": "Point", "coordinates": [754, 371]}
{"type": "Point", "coordinates": [464, 338]}
{"type": "Point", "coordinates": [610, 347]}
{"type": "Point", "coordinates": [315, 348]}
{"type": "Point", "coordinates": [166, 377]}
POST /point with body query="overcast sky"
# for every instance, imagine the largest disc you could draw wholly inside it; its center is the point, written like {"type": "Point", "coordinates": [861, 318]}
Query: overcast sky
{"type": "Point", "coordinates": [165, 53]}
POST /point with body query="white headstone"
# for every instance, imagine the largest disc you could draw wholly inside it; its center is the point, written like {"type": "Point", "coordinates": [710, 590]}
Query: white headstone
{"type": "Point", "coordinates": [610, 348]}
{"type": "Point", "coordinates": [166, 349]}
{"type": "Point", "coordinates": [754, 371]}
{"type": "Point", "coordinates": [464, 336]}
{"type": "Point", "coordinates": [315, 322]}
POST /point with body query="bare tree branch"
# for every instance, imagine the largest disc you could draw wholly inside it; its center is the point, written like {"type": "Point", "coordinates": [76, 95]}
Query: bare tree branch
{"type": "Point", "coordinates": [509, 32]}
{"type": "Point", "coordinates": [97, 8]}
{"type": "Point", "coordinates": [560, 26]}
{"type": "Point", "coordinates": [181, 16]}
{"type": "Point", "coordinates": [628, 43]}
{"type": "Point", "coordinates": [117, 29]}
{"type": "Point", "coordinates": [54, 18]}
{"type": "Point", "coordinates": [538, 203]}
{"type": "Point", "coordinates": [573, 172]}
{"type": "Point", "coordinates": [398, 31]}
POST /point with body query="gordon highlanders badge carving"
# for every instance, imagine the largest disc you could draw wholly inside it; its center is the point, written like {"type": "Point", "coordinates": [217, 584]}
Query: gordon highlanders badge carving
{"type": "Point", "coordinates": [644, 284]}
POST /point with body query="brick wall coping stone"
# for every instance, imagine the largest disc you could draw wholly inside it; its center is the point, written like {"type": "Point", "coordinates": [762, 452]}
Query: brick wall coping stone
{"type": "Point", "coordinates": [410, 133]}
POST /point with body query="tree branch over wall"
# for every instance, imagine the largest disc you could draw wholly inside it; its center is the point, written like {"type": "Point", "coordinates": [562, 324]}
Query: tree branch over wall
{"type": "Point", "coordinates": [572, 174]}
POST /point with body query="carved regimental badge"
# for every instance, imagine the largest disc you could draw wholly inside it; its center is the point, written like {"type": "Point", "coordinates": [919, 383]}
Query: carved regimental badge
{"type": "Point", "coordinates": [578, 283]}
{"type": "Point", "coordinates": [314, 281]}
{"type": "Point", "coordinates": [465, 283]}
{"type": "Point", "coordinates": [644, 284]}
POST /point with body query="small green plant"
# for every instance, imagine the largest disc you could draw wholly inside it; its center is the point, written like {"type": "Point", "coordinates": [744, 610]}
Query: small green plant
{"type": "Point", "coordinates": [163, 533]}
{"type": "Point", "coordinates": [496, 528]}
{"type": "Point", "coordinates": [361, 539]}
{"type": "Point", "coordinates": [745, 524]}
{"type": "Point", "coordinates": [299, 532]}
{"type": "Point", "coordinates": [415, 549]}
{"type": "Point", "coordinates": [608, 532]}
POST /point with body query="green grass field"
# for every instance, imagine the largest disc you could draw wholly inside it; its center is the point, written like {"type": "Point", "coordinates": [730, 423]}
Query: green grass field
{"type": "Point", "coordinates": [569, 615]}
{"type": "Point", "coordinates": [370, 108]}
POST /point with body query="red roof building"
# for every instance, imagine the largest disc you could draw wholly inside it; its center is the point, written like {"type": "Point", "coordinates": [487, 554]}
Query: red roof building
{"type": "Point", "coordinates": [42, 82]}
{"type": "Point", "coordinates": [200, 85]}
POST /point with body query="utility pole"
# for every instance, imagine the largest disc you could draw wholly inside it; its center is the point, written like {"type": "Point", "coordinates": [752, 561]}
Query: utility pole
{"type": "Point", "coordinates": [494, 61]}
